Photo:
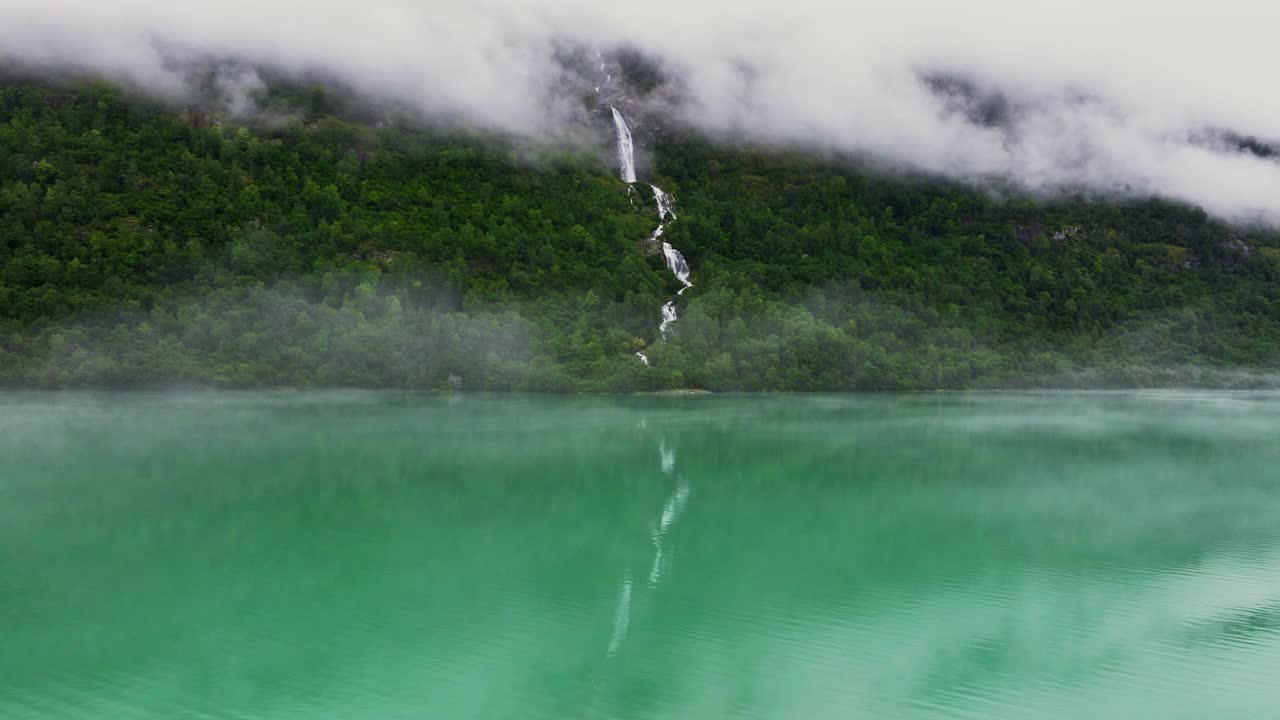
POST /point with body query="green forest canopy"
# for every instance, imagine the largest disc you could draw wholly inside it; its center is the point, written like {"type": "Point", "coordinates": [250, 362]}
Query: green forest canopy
{"type": "Point", "coordinates": [142, 246]}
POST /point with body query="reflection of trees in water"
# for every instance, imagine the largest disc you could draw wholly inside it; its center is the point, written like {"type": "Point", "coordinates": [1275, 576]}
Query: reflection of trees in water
{"type": "Point", "coordinates": [1239, 626]}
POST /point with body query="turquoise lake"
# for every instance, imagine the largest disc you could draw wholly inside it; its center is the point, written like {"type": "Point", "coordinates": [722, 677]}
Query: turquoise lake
{"type": "Point", "coordinates": [383, 556]}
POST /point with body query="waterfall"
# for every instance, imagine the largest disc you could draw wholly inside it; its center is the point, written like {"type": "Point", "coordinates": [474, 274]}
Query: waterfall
{"type": "Point", "coordinates": [626, 150]}
{"type": "Point", "coordinates": [664, 204]}
{"type": "Point", "coordinates": [669, 317]}
{"type": "Point", "coordinates": [674, 259]}
{"type": "Point", "coordinates": [666, 214]}
{"type": "Point", "coordinates": [677, 265]}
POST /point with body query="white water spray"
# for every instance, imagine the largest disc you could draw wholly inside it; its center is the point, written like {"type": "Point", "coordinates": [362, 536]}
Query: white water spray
{"type": "Point", "coordinates": [666, 214]}
{"type": "Point", "coordinates": [626, 149]}
{"type": "Point", "coordinates": [664, 204]}
{"type": "Point", "coordinates": [677, 265]}
{"type": "Point", "coordinates": [674, 259]}
{"type": "Point", "coordinates": [669, 316]}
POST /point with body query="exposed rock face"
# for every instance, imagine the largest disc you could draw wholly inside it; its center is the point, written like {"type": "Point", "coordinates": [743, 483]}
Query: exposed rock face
{"type": "Point", "coordinates": [1234, 252]}
{"type": "Point", "coordinates": [1237, 248]}
{"type": "Point", "coordinates": [197, 119]}
{"type": "Point", "coordinates": [1229, 253]}
{"type": "Point", "coordinates": [1068, 233]}
{"type": "Point", "coordinates": [651, 246]}
{"type": "Point", "coordinates": [1028, 234]}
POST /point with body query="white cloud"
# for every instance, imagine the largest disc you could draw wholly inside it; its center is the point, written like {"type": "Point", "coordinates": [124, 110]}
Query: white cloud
{"type": "Point", "coordinates": [1103, 93]}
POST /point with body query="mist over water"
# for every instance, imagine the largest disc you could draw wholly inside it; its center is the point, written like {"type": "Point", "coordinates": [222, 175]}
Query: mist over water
{"type": "Point", "coordinates": [339, 555]}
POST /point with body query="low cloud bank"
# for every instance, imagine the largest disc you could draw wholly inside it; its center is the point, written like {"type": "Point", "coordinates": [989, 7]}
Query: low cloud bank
{"type": "Point", "coordinates": [1128, 97]}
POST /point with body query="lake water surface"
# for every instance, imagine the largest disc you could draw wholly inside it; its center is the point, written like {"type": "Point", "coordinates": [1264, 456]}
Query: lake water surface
{"type": "Point", "coordinates": [382, 556]}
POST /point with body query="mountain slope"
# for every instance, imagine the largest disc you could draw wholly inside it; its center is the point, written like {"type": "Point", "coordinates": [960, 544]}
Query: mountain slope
{"type": "Point", "coordinates": [140, 245]}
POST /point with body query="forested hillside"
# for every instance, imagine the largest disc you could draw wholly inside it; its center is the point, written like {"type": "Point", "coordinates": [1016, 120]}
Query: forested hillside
{"type": "Point", "coordinates": [145, 245]}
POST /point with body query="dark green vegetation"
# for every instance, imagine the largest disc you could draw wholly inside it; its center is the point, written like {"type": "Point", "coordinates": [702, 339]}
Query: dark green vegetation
{"type": "Point", "coordinates": [143, 246]}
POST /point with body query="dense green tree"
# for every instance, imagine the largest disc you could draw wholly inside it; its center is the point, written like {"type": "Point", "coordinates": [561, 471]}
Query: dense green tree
{"type": "Point", "coordinates": [147, 245]}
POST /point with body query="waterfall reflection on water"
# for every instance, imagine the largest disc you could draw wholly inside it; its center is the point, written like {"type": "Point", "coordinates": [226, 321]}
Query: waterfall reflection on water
{"type": "Point", "coordinates": [667, 519]}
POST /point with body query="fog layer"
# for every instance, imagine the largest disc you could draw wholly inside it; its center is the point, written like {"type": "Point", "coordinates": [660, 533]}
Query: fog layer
{"type": "Point", "coordinates": [1122, 96]}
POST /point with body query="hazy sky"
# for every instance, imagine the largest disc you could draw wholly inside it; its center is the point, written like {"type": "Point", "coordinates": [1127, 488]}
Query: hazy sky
{"type": "Point", "coordinates": [1111, 94]}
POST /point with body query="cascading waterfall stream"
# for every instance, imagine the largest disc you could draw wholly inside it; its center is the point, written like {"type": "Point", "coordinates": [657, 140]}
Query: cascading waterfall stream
{"type": "Point", "coordinates": [675, 261]}
{"type": "Point", "coordinates": [666, 215]}
{"type": "Point", "coordinates": [626, 149]}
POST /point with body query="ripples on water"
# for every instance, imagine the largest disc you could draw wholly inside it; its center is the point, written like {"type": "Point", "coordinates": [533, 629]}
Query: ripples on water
{"type": "Point", "coordinates": [362, 555]}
